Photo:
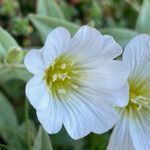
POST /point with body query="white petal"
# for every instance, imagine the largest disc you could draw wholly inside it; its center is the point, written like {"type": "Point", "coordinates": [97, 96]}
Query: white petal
{"type": "Point", "coordinates": [34, 61]}
{"type": "Point", "coordinates": [105, 116]}
{"type": "Point", "coordinates": [86, 113]}
{"type": "Point", "coordinates": [37, 93]}
{"type": "Point", "coordinates": [120, 97]}
{"type": "Point", "coordinates": [110, 75]}
{"type": "Point", "coordinates": [113, 74]}
{"type": "Point", "coordinates": [120, 138]}
{"type": "Point", "coordinates": [110, 48]}
{"type": "Point", "coordinates": [140, 129]}
{"type": "Point", "coordinates": [132, 131]}
{"type": "Point", "coordinates": [137, 55]}
{"type": "Point", "coordinates": [56, 44]}
{"type": "Point", "coordinates": [78, 119]}
{"type": "Point", "coordinates": [51, 118]}
{"type": "Point", "coordinates": [86, 43]}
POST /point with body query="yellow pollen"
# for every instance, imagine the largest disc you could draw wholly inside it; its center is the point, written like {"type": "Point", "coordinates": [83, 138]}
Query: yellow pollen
{"type": "Point", "coordinates": [63, 76]}
{"type": "Point", "coordinates": [63, 66]}
{"type": "Point", "coordinates": [54, 77]}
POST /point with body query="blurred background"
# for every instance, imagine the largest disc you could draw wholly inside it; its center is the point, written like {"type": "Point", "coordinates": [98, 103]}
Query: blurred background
{"type": "Point", "coordinates": [28, 22]}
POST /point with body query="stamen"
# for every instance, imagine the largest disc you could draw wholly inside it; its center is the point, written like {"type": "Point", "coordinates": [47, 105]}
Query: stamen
{"type": "Point", "coordinates": [72, 63]}
{"type": "Point", "coordinates": [139, 107]}
{"type": "Point", "coordinates": [54, 77]}
{"type": "Point", "coordinates": [140, 101]}
{"type": "Point", "coordinates": [50, 84]}
{"type": "Point", "coordinates": [53, 64]}
{"type": "Point", "coordinates": [64, 76]}
{"type": "Point", "coordinates": [61, 76]}
{"type": "Point", "coordinates": [68, 77]}
{"type": "Point", "coordinates": [63, 66]}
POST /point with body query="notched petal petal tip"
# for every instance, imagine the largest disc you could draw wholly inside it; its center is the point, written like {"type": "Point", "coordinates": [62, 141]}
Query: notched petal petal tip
{"type": "Point", "coordinates": [50, 118]}
{"type": "Point", "coordinates": [57, 43]}
{"type": "Point", "coordinates": [110, 49]}
{"type": "Point", "coordinates": [86, 43]}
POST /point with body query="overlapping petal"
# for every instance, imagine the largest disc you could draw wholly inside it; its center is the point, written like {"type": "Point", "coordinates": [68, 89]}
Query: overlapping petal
{"type": "Point", "coordinates": [56, 44]}
{"type": "Point", "coordinates": [86, 44]}
{"type": "Point", "coordinates": [37, 93]}
{"type": "Point", "coordinates": [34, 61]}
{"type": "Point", "coordinates": [137, 55]}
{"type": "Point", "coordinates": [110, 49]}
{"type": "Point", "coordinates": [120, 138]}
{"type": "Point", "coordinates": [51, 117]}
{"type": "Point", "coordinates": [78, 118]}
{"type": "Point", "coordinates": [133, 131]}
{"type": "Point", "coordinates": [111, 75]}
{"type": "Point", "coordinates": [120, 97]}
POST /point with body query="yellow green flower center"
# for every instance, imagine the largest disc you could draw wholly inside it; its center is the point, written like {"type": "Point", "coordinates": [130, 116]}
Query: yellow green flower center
{"type": "Point", "coordinates": [63, 76]}
{"type": "Point", "coordinates": [139, 91]}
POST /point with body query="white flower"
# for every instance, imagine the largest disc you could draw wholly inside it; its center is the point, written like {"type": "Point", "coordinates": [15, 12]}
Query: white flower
{"type": "Point", "coordinates": [70, 80]}
{"type": "Point", "coordinates": [132, 132]}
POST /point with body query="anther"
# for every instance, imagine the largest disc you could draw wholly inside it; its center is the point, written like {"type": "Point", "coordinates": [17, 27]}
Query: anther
{"type": "Point", "coordinates": [62, 76]}
{"type": "Point", "coordinates": [63, 66]}
{"type": "Point", "coordinates": [54, 77]}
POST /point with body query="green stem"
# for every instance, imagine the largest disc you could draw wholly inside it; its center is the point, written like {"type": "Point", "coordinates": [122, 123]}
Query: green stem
{"type": "Point", "coordinates": [27, 124]}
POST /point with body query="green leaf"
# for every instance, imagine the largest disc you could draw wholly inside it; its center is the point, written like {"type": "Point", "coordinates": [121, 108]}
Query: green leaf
{"type": "Point", "coordinates": [15, 143]}
{"type": "Point", "coordinates": [6, 42]}
{"type": "Point", "coordinates": [98, 142]}
{"type": "Point", "coordinates": [143, 21]}
{"type": "Point", "coordinates": [62, 138]}
{"type": "Point", "coordinates": [121, 35]}
{"type": "Point", "coordinates": [7, 113]}
{"type": "Point", "coordinates": [42, 141]}
{"type": "Point", "coordinates": [45, 24]}
{"type": "Point", "coordinates": [8, 119]}
{"type": "Point", "coordinates": [14, 134]}
{"type": "Point", "coordinates": [49, 8]}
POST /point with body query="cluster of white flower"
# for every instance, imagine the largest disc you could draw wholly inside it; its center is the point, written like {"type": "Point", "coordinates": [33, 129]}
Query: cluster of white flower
{"type": "Point", "coordinates": [78, 83]}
